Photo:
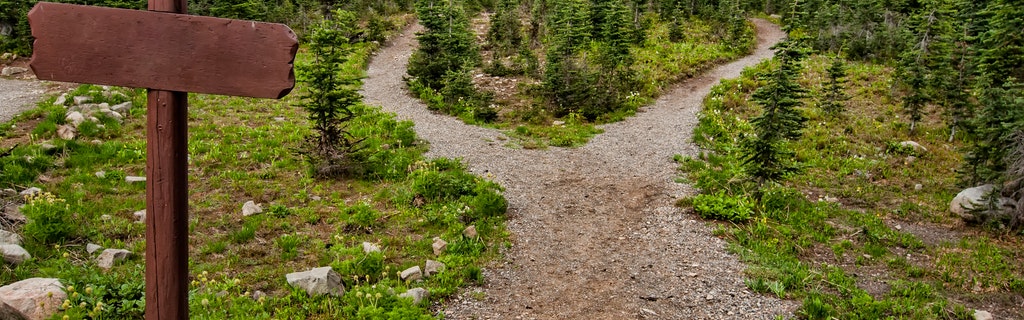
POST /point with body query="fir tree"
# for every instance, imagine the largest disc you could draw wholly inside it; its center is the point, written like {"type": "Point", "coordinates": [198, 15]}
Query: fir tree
{"type": "Point", "coordinates": [832, 101]}
{"type": "Point", "coordinates": [446, 45]}
{"type": "Point", "coordinates": [766, 155]}
{"type": "Point", "coordinates": [330, 98]}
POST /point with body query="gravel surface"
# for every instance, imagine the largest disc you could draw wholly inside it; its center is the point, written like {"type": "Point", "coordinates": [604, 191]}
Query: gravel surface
{"type": "Point", "coordinates": [17, 96]}
{"type": "Point", "coordinates": [594, 231]}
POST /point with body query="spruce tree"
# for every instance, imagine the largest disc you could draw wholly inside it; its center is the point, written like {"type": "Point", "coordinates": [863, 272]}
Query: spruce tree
{"type": "Point", "coordinates": [446, 45]}
{"type": "Point", "coordinates": [832, 100]}
{"type": "Point", "coordinates": [330, 98]}
{"type": "Point", "coordinates": [766, 154]}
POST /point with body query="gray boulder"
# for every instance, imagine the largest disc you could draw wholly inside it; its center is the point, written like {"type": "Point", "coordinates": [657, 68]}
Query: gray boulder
{"type": "Point", "coordinates": [416, 294]}
{"type": "Point", "coordinates": [433, 267]}
{"type": "Point", "coordinates": [251, 208]}
{"type": "Point", "coordinates": [972, 204]}
{"type": "Point", "coordinates": [317, 281]}
{"type": "Point", "coordinates": [66, 132]}
{"type": "Point", "coordinates": [14, 254]}
{"type": "Point", "coordinates": [7, 237]}
{"type": "Point", "coordinates": [140, 216]}
{"type": "Point", "coordinates": [132, 179]}
{"type": "Point", "coordinates": [75, 118]}
{"type": "Point", "coordinates": [92, 247]}
{"type": "Point", "coordinates": [439, 246]}
{"type": "Point", "coordinates": [30, 191]}
{"type": "Point", "coordinates": [81, 99]}
{"type": "Point", "coordinates": [470, 232]}
{"type": "Point", "coordinates": [35, 298]}
{"type": "Point", "coordinates": [982, 315]}
{"type": "Point", "coordinates": [122, 108]}
{"type": "Point", "coordinates": [109, 257]}
{"type": "Point", "coordinates": [412, 274]}
{"type": "Point", "coordinates": [914, 145]}
{"type": "Point", "coordinates": [10, 71]}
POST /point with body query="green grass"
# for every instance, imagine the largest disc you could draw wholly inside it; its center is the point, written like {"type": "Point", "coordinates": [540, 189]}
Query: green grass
{"type": "Point", "coordinates": [243, 149]}
{"type": "Point", "coordinates": [829, 237]}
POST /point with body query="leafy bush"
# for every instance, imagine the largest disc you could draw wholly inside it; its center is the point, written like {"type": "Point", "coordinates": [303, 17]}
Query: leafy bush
{"type": "Point", "coordinates": [720, 206]}
{"type": "Point", "coordinates": [362, 216]}
{"type": "Point", "coordinates": [102, 295]}
{"type": "Point", "coordinates": [50, 219]}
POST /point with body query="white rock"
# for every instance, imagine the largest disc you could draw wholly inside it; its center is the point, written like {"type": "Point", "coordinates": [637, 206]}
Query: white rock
{"type": "Point", "coordinates": [140, 216]}
{"type": "Point", "coordinates": [36, 298]}
{"type": "Point", "coordinates": [66, 132]}
{"type": "Point", "coordinates": [982, 315]}
{"type": "Point", "coordinates": [974, 198]}
{"type": "Point", "coordinates": [92, 247]}
{"type": "Point", "coordinates": [317, 281]}
{"type": "Point", "coordinates": [122, 108]}
{"type": "Point", "coordinates": [439, 246]}
{"type": "Point", "coordinates": [132, 179]}
{"type": "Point", "coordinates": [7, 237]}
{"type": "Point", "coordinates": [14, 254]}
{"type": "Point", "coordinates": [109, 257]}
{"type": "Point", "coordinates": [105, 217]}
{"type": "Point", "coordinates": [101, 174]}
{"type": "Point", "coordinates": [370, 247]}
{"type": "Point", "coordinates": [31, 191]}
{"type": "Point", "coordinates": [114, 114]}
{"type": "Point", "coordinates": [433, 267]}
{"type": "Point", "coordinates": [412, 274]}
{"type": "Point", "coordinates": [918, 186]}
{"type": "Point", "coordinates": [10, 71]}
{"type": "Point", "coordinates": [470, 232]}
{"type": "Point", "coordinates": [81, 99]}
{"type": "Point", "coordinates": [416, 294]}
{"type": "Point", "coordinates": [251, 208]}
{"type": "Point", "coordinates": [916, 146]}
{"type": "Point", "coordinates": [61, 99]}
{"type": "Point", "coordinates": [75, 118]}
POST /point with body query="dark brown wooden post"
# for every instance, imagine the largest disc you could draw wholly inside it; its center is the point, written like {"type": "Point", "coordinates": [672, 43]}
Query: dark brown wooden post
{"type": "Point", "coordinates": [167, 196]}
{"type": "Point", "coordinates": [169, 53]}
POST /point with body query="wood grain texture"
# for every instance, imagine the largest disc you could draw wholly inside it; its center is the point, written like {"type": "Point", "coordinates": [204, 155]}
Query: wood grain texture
{"type": "Point", "coordinates": [164, 51]}
{"type": "Point", "coordinates": [166, 205]}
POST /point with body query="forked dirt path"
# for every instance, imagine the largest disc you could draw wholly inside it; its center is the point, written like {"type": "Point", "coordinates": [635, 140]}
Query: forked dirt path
{"type": "Point", "coordinates": [594, 231]}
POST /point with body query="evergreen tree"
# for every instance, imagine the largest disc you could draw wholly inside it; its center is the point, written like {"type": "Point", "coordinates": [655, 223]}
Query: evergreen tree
{"type": "Point", "coordinates": [330, 98]}
{"type": "Point", "coordinates": [766, 155]}
{"type": "Point", "coordinates": [832, 101]}
{"type": "Point", "coordinates": [446, 45]}
{"type": "Point", "coordinates": [1000, 93]}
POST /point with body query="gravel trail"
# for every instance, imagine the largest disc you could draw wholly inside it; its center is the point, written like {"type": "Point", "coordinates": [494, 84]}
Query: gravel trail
{"type": "Point", "coordinates": [595, 234]}
{"type": "Point", "coordinates": [17, 96]}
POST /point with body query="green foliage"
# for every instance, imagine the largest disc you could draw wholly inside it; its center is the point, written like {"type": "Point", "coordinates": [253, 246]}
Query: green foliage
{"type": "Point", "coordinates": [50, 219]}
{"type": "Point", "coordinates": [720, 206]}
{"type": "Point", "coordinates": [834, 94]}
{"type": "Point", "coordinates": [362, 216]}
{"type": "Point", "coordinates": [766, 155]}
{"type": "Point", "coordinates": [446, 46]}
{"type": "Point", "coordinates": [330, 97]}
{"type": "Point", "coordinates": [100, 295]}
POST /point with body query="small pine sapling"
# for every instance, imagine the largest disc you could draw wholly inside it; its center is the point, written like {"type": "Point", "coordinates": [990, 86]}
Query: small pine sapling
{"type": "Point", "coordinates": [832, 101]}
{"type": "Point", "coordinates": [330, 97]}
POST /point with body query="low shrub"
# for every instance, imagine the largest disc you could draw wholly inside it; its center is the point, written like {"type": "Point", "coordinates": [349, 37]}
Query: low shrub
{"type": "Point", "coordinates": [720, 206]}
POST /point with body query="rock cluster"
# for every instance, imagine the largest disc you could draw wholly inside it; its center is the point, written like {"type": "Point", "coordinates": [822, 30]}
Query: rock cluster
{"type": "Point", "coordinates": [82, 111]}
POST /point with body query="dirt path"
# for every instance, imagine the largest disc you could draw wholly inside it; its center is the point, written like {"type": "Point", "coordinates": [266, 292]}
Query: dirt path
{"type": "Point", "coordinates": [595, 234]}
{"type": "Point", "coordinates": [17, 96]}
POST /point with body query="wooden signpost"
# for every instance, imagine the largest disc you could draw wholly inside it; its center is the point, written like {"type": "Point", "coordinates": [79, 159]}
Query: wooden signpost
{"type": "Point", "coordinates": [171, 54]}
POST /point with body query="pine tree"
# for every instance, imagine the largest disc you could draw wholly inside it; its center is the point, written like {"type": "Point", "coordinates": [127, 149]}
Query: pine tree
{"type": "Point", "coordinates": [832, 101]}
{"type": "Point", "coordinates": [766, 155]}
{"type": "Point", "coordinates": [330, 98]}
{"type": "Point", "coordinates": [446, 45]}
{"type": "Point", "coordinates": [999, 90]}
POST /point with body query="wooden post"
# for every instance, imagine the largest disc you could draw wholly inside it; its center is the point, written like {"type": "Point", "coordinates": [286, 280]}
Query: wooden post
{"type": "Point", "coordinates": [167, 196]}
{"type": "Point", "coordinates": [169, 53]}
